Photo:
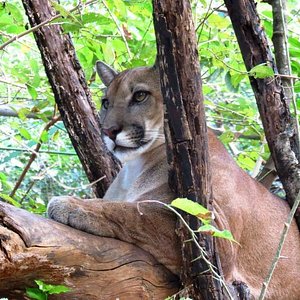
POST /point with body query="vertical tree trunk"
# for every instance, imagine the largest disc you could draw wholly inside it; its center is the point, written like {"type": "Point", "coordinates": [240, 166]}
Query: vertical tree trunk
{"type": "Point", "coordinates": [280, 46]}
{"type": "Point", "coordinates": [269, 173]}
{"type": "Point", "coordinates": [276, 118]}
{"type": "Point", "coordinates": [186, 134]}
{"type": "Point", "coordinates": [71, 95]}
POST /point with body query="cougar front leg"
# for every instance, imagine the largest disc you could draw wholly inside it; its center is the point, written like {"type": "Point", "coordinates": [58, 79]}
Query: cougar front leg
{"type": "Point", "coordinates": [150, 227]}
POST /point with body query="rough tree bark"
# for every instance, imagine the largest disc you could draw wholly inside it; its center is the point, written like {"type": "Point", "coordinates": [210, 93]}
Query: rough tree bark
{"type": "Point", "coordinates": [186, 135]}
{"type": "Point", "coordinates": [32, 247]}
{"type": "Point", "coordinates": [280, 46]}
{"type": "Point", "coordinates": [269, 173]}
{"type": "Point", "coordinates": [71, 95]}
{"type": "Point", "coordinates": [276, 118]}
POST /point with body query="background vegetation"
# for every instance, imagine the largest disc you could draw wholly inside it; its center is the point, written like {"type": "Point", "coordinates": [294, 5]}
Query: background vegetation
{"type": "Point", "coordinates": [121, 34]}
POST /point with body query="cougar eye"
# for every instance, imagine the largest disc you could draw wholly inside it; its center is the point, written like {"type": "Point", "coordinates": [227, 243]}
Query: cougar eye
{"type": "Point", "coordinates": [105, 103]}
{"type": "Point", "coordinates": [140, 96]}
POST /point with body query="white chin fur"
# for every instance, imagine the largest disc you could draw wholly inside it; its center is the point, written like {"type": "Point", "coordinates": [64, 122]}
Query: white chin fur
{"type": "Point", "coordinates": [130, 154]}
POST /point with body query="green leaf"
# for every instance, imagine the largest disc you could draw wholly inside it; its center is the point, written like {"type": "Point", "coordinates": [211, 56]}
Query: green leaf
{"type": "Point", "coordinates": [59, 289]}
{"type": "Point", "coordinates": [10, 200]}
{"type": "Point", "coordinates": [245, 161]}
{"type": "Point", "coordinates": [64, 12]}
{"type": "Point", "coordinates": [44, 136]}
{"type": "Point", "coordinates": [32, 91]}
{"type": "Point", "coordinates": [52, 289]}
{"type": "Point", "coordinates": [36, 293]}
{"type": "Point", "coordinates": [56, 136]}
{"type": "Point", "coordinates": [212, 230]}
{"type": "Point", "coordinates": [22, 113]}
{"type": "Point", "coordinates": [227, 137]}
{"type": "Point", "coordinates": [261, 71]}
{"type": "Point", "coordinates": [294, 42]}
{"type": "Point", "coordinates": [229, 84]}
{"type": "Point", "coordinates": [237, 78]}
{"type": "Point", "coordinates": [108, 52]}
{"type": "Point", "coordinates": [25, 134]}
{"type": "Point", "coordinates": [193, 208]}
{"type": "Point", "coordinates": [297, 88]}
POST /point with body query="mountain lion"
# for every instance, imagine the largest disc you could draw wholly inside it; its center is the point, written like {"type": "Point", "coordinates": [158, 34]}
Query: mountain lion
{"type": "Point", "coordinates": [132, 128]}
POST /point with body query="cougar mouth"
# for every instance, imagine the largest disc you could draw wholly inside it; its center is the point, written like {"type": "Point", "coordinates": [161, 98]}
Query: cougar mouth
{"type": "Point", "coordinates": [122, 148]}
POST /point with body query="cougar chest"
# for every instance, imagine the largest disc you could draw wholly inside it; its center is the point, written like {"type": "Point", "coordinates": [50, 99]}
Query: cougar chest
{"type": "Point", "coordinates": [144, 178]}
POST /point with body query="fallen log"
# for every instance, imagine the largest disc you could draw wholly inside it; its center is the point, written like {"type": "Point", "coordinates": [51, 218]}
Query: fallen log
{"type": "Point", "coordinates": [33, 247]}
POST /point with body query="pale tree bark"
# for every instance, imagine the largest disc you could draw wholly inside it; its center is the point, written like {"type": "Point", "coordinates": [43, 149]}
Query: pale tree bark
{"type": "Point", "coordinates": [279, 126]}
{"type": "Point", "coordinates": [32, 247]}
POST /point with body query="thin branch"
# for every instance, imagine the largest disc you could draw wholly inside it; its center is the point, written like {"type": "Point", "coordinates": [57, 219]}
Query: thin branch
{"type": "Point", "coordinates": [247, 73]}
{"type": "Point", "coordinates": [289, 69]}
{"type": "Point", "coordinates": [82, 187]}
{"type": "Point", "coordinates": [16, 37]}
{"type": "Point", "coordinates": [40, 151]}
{"type": "Point", "coordinates": [6, 111]}
{"type": "Point", "coordinates": [207, 15]}
{"type": "Point", "coordinates": [12, 83]}
{"type": "Point", "coordinates": [194, 239]}
{"type": "Point", "coordinates": [118, 27]}
{"type": "Point", "coordinates": [284, 233]}
{"type": "Point", "coordinates": [26, 148]}
{"type": "Point", "coordinates": [33, 156]}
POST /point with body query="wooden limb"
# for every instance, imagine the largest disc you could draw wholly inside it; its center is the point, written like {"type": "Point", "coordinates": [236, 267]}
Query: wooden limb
{"type": "Point", "coordinates": [71, 95]}
{"type": "Point", "coordinates": [32, 247]}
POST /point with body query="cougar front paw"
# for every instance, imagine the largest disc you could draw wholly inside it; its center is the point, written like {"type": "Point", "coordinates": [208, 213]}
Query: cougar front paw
{"type": "Point", "coordinates": [61, 209]}
{"type": "Point", "coordinates": [77, 213]}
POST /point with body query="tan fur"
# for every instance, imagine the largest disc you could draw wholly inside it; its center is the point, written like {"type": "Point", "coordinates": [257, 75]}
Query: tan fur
{"type": "Point", "coordinates": [253, 215]}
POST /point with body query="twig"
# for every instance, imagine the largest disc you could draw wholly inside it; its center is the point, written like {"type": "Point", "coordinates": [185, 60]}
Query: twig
{"type": "Point", "coordinates": [203, 254]}
{"type": "Point", "coordinates": [26, 148]}
{"type": "Point", "coordinates": [290, 70]}
{"type": "Point", "coordinates": [118, 27]}
{"type": "Point", "coordinates": [288, 76]}
{"type": "Point", "coordinates": [284, 233]}
{"type": "Point", "coordinates": [85, 186]}
{"type": "Point", "coordinates": [12, 83]}
{"type": "Point", "coordinates": [207, 15]}
{"type": "Point", "coordinates": [41, 151]}
{"type": "Point", "coordinates": [247, 73]}
{"type": "Point", "coordinates": [16, 37]}
{"type": "Point", "coordinates": [33, 156]}
{"type": "Point", "coordinates": [41, 173]}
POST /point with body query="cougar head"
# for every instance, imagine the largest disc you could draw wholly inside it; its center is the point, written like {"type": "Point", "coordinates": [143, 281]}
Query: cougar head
{"type": "Point", "coordinates": [132, 111]}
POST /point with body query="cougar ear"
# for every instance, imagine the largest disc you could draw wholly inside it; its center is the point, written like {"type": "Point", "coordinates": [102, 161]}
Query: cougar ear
{"type": "Point", "coordinates": [105, 72]}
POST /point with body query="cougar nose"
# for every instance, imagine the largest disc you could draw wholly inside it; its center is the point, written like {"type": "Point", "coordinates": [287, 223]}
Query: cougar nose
{"type": "Point", "coordinates": [112, 132]}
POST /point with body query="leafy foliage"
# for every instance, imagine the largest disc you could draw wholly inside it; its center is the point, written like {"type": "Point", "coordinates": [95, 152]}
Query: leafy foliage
{"type": "Point", "coordinates": [121, 34]}
{"type": "Point", "coordinates": [204, 215]}
{"type": "Point", "coordinates": [43, 290]}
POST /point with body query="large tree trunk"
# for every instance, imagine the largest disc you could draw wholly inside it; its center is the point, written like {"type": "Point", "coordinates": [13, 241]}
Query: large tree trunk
{"type": "Point", "coordinates": [270, 97]}
{"type": "Point", "coordinates": [71, 95]}
{"type": "Point", "coordinates": [186, 135]}
{"type": "Point", "coordinates": [32, 247]}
